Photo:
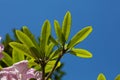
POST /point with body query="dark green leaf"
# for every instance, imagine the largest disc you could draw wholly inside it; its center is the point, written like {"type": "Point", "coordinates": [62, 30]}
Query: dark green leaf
{"type": "Point", "coordinates": [53, 40]}
{"type": "Point", "coordinates": [80, 36]}
{"type": "Point", "coordinates": [81, 53]}
{"type": "Point", "coordinates": [66, 25]}
{"type": "Point", "coordinates": [36, 54]}
{"type": "Point", "coordinates": [7, 59]}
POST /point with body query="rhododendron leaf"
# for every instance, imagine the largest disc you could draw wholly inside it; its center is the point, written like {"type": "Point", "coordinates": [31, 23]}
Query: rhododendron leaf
{"type": "Point", "coordinates": [29, 34]}
{"type": "Point", "coordinates": [81, 53]}
{"type": "Point", "coordinates": [53, 40]}
{"type": "Point", "coordinates": [50, 65]}
{"type": "Point", "coordinates": [59, 33]}
{"type": "Point", "coordinates": [101, 77]}
{"type": "Point", "coordinates": [45, 34]}
{"type": "Point", "coordinates": [49, 49]}
{"type": "Point", "coordinates": [66, 25]}
{"type": "Point", "coordinates": [7, 59]}
{"type": "Point", "coordinates": [80, 36]}
{"type": "Point", "coordinates": [117, 77]}
{"type": "Point", "coordinates": [24, 38]}
{"type": "Point", "coordinates": [55, 54]}
{"type": "Point", "coordinates": [17, 56]}
{"type": "Point", "coordinates": [21, 48]}
{"type": "Point", "coordinates": [36, 54]}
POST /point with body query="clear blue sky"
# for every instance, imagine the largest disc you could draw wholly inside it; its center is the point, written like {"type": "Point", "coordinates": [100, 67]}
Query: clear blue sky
{"type": "Point", "coordinates": [104, 42]}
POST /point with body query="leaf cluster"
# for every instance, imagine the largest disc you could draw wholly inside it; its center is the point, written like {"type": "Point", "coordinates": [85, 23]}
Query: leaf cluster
{"type": "Point", "coordinates": [45, 52]}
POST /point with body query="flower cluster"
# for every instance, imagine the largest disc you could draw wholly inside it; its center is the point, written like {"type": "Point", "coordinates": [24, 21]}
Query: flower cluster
{"type": "Point", "coordinates": [19, 71]}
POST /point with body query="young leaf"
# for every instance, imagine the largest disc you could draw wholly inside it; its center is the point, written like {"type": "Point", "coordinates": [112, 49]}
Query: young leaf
{"type": "Point", "coordinates": [80, 36]}
{"type": "Point", "coordinates": [101, 77]}
{"type": "Point", "coordinates": [17, 56]}
{"type": "Point", "coordinates": [45, 33]}
{"type": "Point", "coordinates": [117, 77]}
{"type": "Point", "coordinates": [7, 59]}
{"type": "Point", "coordinates": [81, 53]}
{"type": "Point", "coordinates": [24, 38]}
{"type": "Point", "coordinates": [66, 25]}
{"type": "Point", "coordinates": [59, 33]}
{"type": "Point", "coordinates": [21, 48]}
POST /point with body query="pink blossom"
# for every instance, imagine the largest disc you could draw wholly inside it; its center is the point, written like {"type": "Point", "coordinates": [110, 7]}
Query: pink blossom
{"type": "Point", "coordinates": [19, 71]}
{"type": "Point", "coordinates": [1, 49]}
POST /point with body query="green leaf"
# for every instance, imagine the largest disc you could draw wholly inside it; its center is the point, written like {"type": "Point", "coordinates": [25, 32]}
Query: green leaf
{"type": "Point", "coordinates": [53, 40]}
{"type": "Point", "coordinates": [17, 56]}
{"type": "Point", "coordinates": [81, 53]}
{"type": "Point", "coordinates": [35, 53]}
{"type": "Point", "coordinates": [45, 33]}
{"type": "Point", "coordinates": [101, 77]}
{"type": "Point", "coordinates": [49, 49]}
{"type": "Point", "coordinates": [7, 59]}
{"type": "Point", "coordinates": [59, 33]}
{"type": "Point", "coordinates": [50, 65]}
{"type": "Point", "coordinates": [24, 38]}
{"type": "Point", "coordinates": [54, 55]}
{"type": "Point", "coordinates": [66, 25]}
{"type": "Point", "coordinates": [117, 77]}
{"type": "Point", "coordinates": [29, 34]}
{"type": "Point", "coordinates": [21, 48]}
{"type": "Point", "coordinates": [80, 36]}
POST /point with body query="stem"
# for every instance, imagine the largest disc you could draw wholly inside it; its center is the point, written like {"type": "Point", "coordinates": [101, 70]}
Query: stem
{"type": "Point", "coordinates": [43, 70]}
{"type": "Point", "coordinates": [60, 56]}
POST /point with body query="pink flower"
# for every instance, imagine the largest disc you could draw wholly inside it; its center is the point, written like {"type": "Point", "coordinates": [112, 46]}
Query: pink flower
{"type": "Point", "coordinates": [1, 49]}
{"type": "Point", "coordinates": [19, 71]}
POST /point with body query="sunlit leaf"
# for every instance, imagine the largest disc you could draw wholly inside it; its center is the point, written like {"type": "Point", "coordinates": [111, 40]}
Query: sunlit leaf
{"type": "Point", "coordinates": [45, 33]}
{"type": "Point", "coordinates": [21, 48]}
{"type": "Point", "coordinates": [59, 33]}
{"type": "Point", "coordinates": [49, 49]}
{"type": "Point", "coordinates": [50, 65]}
{"type": "Point", "coordinates": [117, 77]}
{"type": "Point", "coordinates": [80, 36]}
{"type": "Point", "coordinates": [66, 25]}
{"type": "Point", "coordinates": [29, 34]}
{"type": "Point", "coordinates": [7, 59]}
{"type": "Point", "coordinates": [81, 53]}
{"type": "Point", "coordinates": [17, 56]}
{"type": "Point", "coordinates": [24, 38]}
{"type": "Point", "coordinates": [101, 77]}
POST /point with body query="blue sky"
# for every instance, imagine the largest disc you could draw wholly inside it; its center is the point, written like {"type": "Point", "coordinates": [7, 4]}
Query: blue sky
{"type": "Point", "coordinates": [104, 42]}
